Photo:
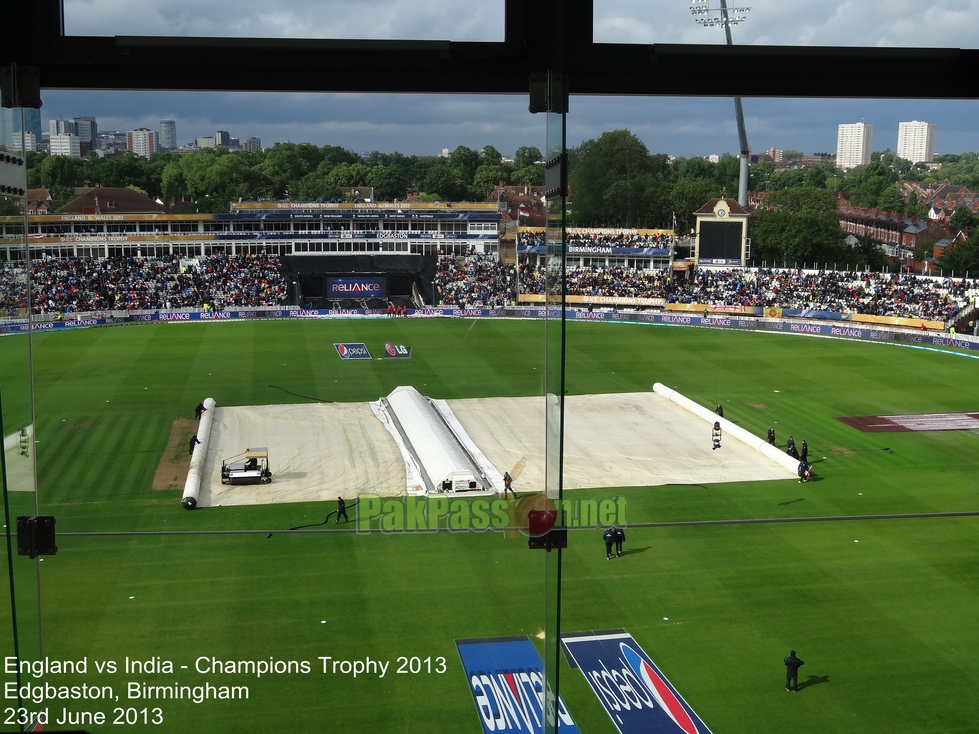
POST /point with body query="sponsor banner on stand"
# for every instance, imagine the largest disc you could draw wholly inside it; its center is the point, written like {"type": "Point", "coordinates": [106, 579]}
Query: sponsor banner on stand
{"type": "Point", "coordinates": [506, 679]}
{"type": "Point", "coordinates": [636, 695]}
{"type": "Point", "coordinates": [356, 287]}
{"type": "Point", "coordinates": [396, 351]}
{"type": "Point", "coordinates": [352, 350]}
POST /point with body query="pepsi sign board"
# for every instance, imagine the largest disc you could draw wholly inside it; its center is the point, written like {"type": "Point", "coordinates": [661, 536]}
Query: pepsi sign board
{"type": "Point", "coordinates": [631, 688]}
{"type": "Point", "coordinates": [352, 350]}
{"type": "Point", "coordinates": [396, 351]}
{"type": "Point", "coordinates": [506, 678]}
{"type": "Point", "coordinates": [356, 287]}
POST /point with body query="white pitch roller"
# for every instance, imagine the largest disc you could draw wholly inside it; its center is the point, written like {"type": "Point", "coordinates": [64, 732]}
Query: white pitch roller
{"type": "Point", "coordinates": [729, 428]}
{"type": "Point", "coordinates": [192, 487]}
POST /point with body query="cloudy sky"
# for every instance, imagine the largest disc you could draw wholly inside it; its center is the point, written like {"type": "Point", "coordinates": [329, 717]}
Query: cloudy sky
{"type": "Point", "coordinates": [423, 124]}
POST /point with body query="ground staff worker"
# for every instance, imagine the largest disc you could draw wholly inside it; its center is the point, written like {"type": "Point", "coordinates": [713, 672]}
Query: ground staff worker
{"type": "Point", "coordinates": [792, 665]}
{"type": "Point", "coordinates": [341, 511]}
{"type": "Point", "coordinates": [619, 535]}
{"type": "Point", "coordinates": [609, 537]}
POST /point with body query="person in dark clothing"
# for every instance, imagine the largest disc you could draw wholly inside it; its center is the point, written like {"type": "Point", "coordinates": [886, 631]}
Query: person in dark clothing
{"type": "Point", "coordinates": [341, 511]}
{"type": "Point", "coordinates": [193, 443]}
{"type": "Point", "coordinates": [771, 435]}
{"type": "Point", "coordinates": [792, 665]}
{"type": "Point", "coordinates": [507, 485]}
{"type": "Point", "coordinates": [789, 445]}
{"type": "Point", "coordinates": [619, 535]}
{"type": "Point", "coordinates": [199, 411]}
{"type": "Point", "coordinates": [719, 410]}
{"type": "Point", "coordinates": [609, 537]}
{"type": "Point", "coordinates": [804, 453]}
{"type": "Point", "coordinates": [804, 470]}
{"type": "Point", "coordinates": [715, 435]}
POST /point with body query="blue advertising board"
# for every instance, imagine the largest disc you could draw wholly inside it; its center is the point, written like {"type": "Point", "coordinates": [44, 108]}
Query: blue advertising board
{"type": "Point", "coordinates": [636, 695]}
{"type": "Point", "coordinates": [506, 678]}
{"type": "Point", "coordinates": [366, 287]}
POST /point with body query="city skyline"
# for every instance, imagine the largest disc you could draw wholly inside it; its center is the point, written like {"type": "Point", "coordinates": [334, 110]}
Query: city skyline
{"type": "Point", "coordinates": [425, 124]}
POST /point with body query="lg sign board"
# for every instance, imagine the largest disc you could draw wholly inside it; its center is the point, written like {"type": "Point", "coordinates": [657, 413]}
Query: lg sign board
{"type": "Point", "coordinates": [506, 679]}
{"type": "Point", "coordinates": [631, 688]}
{"type": "Point", "coordinates": [356, 287]}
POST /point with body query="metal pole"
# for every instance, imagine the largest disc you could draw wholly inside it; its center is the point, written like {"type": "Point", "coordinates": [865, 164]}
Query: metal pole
{"type": "Point", "coordinates": [739, 114]}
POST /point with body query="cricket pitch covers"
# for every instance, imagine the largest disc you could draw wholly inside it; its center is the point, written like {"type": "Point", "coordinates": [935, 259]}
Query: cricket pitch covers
{"type": "Point", "coordinates": [323, 450]}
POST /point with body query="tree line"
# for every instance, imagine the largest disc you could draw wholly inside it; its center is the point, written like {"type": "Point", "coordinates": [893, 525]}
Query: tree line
{"type": "Point", "coordinates": [211, 179]}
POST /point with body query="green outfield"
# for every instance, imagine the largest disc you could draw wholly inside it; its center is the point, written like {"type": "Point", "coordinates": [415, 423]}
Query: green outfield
{"type": "Point", "coordinates": [886, 624]}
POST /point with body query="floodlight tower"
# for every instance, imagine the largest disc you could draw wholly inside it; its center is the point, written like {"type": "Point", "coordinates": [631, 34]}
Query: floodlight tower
{"type": "Point", "coordinates": [710, 17]}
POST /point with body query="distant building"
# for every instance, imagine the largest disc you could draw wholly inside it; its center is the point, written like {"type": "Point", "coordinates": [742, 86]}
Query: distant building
{"type": "Point", "coordinates": [253, 145]}
{"type": "Point", "coordinates": [205, 142]}
{"type": "Point", "coordinates": [854, 143]}
{"type": "Point", "coordinates": [29, 143]}
{"type": "Point", "coordinates": [142, 142]}
{"type": "Point", "coordinates": [65, 144]}
{"type": "Point", "coordinates": [714, 158]}
{"type": "Point", "coordinates": [112, 201]}
{"type": "Point", "coordinates": [87, 129]}
{"type": "Point", "coordinates": [168, 135]}
{"type": "Point", "coordinates": [222, 139]}
{"type": "Point", "coordinates": [38, 202]}
{"type": "Point", "coordinates": [62, 127]}
{"type": "Point", "coordinates": [916, 141]}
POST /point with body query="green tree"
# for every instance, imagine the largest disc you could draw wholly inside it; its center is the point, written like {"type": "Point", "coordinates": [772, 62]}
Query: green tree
{"type": "Point", "coordinates": [962, 258]}
{"type": "Point", "coordinates": [490, 156]}
{"type": "Point", "coordinates": [868, 253]}
{"type": "Point", "coordinates": [687, 196]}
{"type": "Point", "coordinates": [60, 171]}
{"type": "Point", "coordinates": [526, 156]}
{"type": "Point", "coordinates": [595, 166]}
{"type": "Point", "coordinates": [445, 182]}
{"type": "Point", "coordinates": [759, 175]}
{"type": "Point", "coordinates": [349, 174]}
{"type": "Point", "coordinates": [962, 217]}
{"type": "Point", "coordinates": [486, 178]}
{"type": "Point", "coordinates": [532, 175]}
{"type": "Point", "coordinates": [465, 161]}
{"type": "Point", "coordinates": [915, 208]}
{"type": "Point", "coordinates": [387, 182]}
{"type": "Point", "coordinates": [891, 199]}
{"type": "Point", "coordinates": [815, 178]}
{"type": "Point", "coordinates": [284, 165]}
{"type": "Point", "coordinates": [798, 225]}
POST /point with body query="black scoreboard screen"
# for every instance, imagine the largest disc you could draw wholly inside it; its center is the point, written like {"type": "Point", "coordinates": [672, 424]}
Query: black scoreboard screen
{"type": "Point", "coordinates": [720, 243]}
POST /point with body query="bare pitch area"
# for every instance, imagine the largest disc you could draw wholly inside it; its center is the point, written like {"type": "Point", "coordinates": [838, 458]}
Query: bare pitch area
{"type": "Point", "coordinates": [320, 451]}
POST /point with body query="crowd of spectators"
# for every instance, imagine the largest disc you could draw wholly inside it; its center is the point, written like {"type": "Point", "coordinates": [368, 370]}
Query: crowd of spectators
{"type": "Point", "coordinates": [875, 294]}
{"type": "Point", "coordinates": [475, 282]}
{"type": "Point", "coordinates": [601, 239]}
{"type": "Point", "coordinates": [75, 285]}
{"type": "Point", "coordinates": [219, 281]}
{"type": "Point", "coordinates": [481, 281]}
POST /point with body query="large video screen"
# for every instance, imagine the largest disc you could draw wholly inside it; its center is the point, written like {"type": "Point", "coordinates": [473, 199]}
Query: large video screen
{"type": "Point", "coordinates": [720, 243]}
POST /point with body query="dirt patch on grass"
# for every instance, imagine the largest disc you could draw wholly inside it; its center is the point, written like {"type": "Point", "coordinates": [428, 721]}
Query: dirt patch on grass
{"type": "Point", "coordinates": [835, 449]}
{"type": "Point", "coordinates": [759, 406]}
{"type": "Point", "coordinates": [171, 472]}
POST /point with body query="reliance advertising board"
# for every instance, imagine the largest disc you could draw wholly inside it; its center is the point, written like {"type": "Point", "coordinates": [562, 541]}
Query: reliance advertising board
{"type": "Point", "coordinates": [356, 287]}
{"type": "Point", "coordinates": [506, 679]}
{"type": "Point", "coordinates": [636, 695]}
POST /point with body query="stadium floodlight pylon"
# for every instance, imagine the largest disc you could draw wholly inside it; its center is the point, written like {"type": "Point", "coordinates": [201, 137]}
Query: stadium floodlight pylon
{"type": "Point", "coordinates": [710, 17]}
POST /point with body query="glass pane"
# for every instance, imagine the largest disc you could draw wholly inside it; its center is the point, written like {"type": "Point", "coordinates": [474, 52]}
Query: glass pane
{"type": "Point", "coordinates": [554, 391]}
{"type": "Point", "coordinates": [434, 20]}
{"type": "Point", "coordinates": [180, 599]}
{"type": "Point", "coordinates": [767, 22]}
{"type": "Point", "coordinates": [20, 617]}
{"type": "Point", "coordinates": [716, 561]}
